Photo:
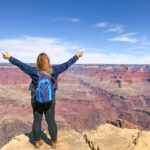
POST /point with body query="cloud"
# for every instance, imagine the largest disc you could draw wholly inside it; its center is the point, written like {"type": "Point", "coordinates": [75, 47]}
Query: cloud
{"type": "Point", "coordinates": [102, 58]}
{"type": "Point", "coordinates": [119, 28]}
{"type": "Point", "coordinates": [27, 49]}
{"type": "Point", "coordinates": [116, 28]}
{"type": "Point", "coordinates": [101, 24]}
{"type": "Point", "coordinates": [129, 37]}
{"type": "Point", "coordinates": [74, 20]}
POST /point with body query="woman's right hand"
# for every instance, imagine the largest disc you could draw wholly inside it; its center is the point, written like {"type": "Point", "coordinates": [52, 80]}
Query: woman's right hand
{"type": "Point", "coordinates": [6, 55]}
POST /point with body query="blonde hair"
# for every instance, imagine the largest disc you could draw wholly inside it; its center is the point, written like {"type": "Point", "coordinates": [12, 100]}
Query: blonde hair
{"type": "Point", "coordinates": [43, 62]}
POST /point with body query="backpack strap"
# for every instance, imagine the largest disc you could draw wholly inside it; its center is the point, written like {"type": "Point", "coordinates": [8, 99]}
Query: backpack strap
{"type": "Point", "coordinates": [38, 73]}
{"type": "Point", "coordinates": [54, 80]}
{"type": "Point", "coordinates": [52, 77]}
{"type": "Point", "coordinates": [48, 74]}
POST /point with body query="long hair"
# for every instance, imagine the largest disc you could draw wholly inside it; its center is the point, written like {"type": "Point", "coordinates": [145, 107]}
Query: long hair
{"type": "Point", "coordinates": [43, 63]}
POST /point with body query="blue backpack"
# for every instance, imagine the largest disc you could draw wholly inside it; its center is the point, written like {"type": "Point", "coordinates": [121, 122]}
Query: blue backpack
{"type": "Point", "coordinates": [44, 91]}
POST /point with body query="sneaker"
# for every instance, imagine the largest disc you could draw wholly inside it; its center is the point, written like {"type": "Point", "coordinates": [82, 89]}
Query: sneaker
{"type": "Point", "coordinates": [38, 143]}
{"type": "Point", "coordinates": [53, 144]}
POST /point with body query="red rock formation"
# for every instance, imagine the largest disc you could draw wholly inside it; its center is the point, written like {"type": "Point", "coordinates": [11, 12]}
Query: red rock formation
{"type": "Point", "coordinates": [87, 95]}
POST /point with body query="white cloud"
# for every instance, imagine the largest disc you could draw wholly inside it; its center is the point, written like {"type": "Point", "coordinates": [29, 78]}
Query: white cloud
{"type": "Point", "coordinates": [129, 37]}
{"type": "Point", "coordinates": [27, 48]}
{"type": "Point", "coordinates": [101, 24]}
{"type": "Point", "coordinates": [74, 20]}
{"type": "Point", "coordinates": [116, 28]}
{"type": "Point", "coordinates": [110, 27]}
{"type": "Point", "coordinates": [102, 58]}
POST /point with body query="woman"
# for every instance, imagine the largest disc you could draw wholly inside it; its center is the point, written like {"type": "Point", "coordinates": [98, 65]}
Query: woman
{"type": "Point", "coordinates": [44, 66]}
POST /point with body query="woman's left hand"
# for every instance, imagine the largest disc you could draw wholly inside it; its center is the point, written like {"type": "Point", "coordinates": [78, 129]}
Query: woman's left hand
{"type": "Point", "coordinates": [79, 54]}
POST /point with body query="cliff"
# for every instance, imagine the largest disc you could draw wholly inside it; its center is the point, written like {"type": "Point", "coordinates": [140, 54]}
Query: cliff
{"type": "Point", "coordinates": [104, 137]}
{"type": "Point", "coordinates": [10, 128]}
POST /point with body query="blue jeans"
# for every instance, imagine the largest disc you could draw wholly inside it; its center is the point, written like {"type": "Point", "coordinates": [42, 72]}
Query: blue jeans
{"type": "Point", "coordinates": [49, 111]}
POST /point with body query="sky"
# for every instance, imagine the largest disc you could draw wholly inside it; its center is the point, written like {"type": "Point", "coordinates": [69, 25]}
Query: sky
{"type": "Point", "coordinates": [107, 31]}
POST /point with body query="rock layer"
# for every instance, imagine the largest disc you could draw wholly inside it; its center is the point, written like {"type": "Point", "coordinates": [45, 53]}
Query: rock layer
{"type": "Point", "coordinates": [87, 95]}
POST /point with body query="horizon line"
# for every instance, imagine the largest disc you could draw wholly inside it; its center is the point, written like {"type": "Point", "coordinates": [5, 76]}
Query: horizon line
{"type": "Point", "coordinates": [9, 64]}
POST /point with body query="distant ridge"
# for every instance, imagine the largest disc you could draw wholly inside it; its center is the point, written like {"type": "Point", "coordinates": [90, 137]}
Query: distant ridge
{"type": "Point", "coordinates": [33, 64]}
{"type": "Point", "coordinates": [134, 67]}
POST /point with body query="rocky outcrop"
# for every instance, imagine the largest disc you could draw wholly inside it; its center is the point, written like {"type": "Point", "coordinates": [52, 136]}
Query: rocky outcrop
{"type": "Point", "coordinates": [123, 124]}
{"type": "Point", "coordinates": [109, 137]}
{"type": "Point", "coordinates": [67, 140]}
{"type": "Point", "coordinates": [104, 137]}
{"type": "Point", "coordinates": [10, 128]}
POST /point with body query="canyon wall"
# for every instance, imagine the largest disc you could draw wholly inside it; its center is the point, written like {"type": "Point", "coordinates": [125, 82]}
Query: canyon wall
{"type": "Point", "coordinates": [88, 95]}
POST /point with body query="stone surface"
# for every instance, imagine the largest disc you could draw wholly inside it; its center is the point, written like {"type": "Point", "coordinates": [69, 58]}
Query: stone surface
{"type": "Point", "coordinates": [67, 140]}
{"type": "Point", "coordinates": [109, 137]}
{"type": "Point", "coordinates": [104, 137]}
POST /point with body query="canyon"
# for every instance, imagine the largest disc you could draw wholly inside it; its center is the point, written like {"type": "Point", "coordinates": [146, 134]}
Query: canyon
{"type": "Point", "coordinates": [87, 96]}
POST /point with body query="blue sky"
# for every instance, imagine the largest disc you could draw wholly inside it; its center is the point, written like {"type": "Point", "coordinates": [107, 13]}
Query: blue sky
{"type": "Point", "coordinates": [107, 31]}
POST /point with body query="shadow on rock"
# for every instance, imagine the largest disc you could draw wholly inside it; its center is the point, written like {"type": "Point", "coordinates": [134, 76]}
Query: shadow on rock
{"type": "Point", "coordinates": [43, 137]}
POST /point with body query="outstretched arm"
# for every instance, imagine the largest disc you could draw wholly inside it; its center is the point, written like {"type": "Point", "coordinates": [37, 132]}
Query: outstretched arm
{"type": "Point", "coordinates": [63, 67]}
{"type": "Point", "coordinates": [24, 67]}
